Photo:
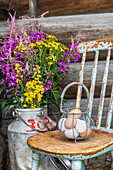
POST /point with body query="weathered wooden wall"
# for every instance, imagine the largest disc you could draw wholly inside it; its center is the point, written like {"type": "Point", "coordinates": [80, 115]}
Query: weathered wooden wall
{"type": "Point", "coordinates": [55, 7]}
{"type": "Point", "coordinates": [20, 6]}
{"type": "Point", "coordinates": [71, 7]}
{"type": "Point", "coordinates": [94, 26]}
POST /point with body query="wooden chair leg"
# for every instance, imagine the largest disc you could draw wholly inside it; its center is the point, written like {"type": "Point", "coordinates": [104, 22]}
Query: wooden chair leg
{"type": "Point", "coordinates": [78, 165]}
{"type": "Point", "coordinates": [35, 160]}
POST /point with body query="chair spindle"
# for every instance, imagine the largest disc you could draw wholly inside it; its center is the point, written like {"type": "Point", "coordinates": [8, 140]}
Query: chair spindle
{"type": "Point", "coordinates": [103, 89]}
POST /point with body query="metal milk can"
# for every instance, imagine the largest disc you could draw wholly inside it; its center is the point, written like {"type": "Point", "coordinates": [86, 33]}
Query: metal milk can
{"type": "Point", "coordinates": [27, 122]}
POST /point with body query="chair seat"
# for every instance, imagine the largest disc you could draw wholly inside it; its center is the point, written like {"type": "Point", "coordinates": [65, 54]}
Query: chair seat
{"type": "Point", "coordinates": [53, 142]}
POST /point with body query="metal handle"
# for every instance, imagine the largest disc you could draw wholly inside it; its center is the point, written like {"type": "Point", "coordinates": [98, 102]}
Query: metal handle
{"type": "Point", "coordinates": [17, 114]}
{"type": "Point", "coordinates": [68, 86]}
{"type": "Point", "coordinates": [67, 167]}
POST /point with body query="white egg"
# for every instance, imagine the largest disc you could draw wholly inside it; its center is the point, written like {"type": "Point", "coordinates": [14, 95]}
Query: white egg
{"type": "Point", "coordinates": [61, 124]}
{"type": "Point", "coordinates": [81, 126]}
{"type": "Point", "coordinates": [71, 133]}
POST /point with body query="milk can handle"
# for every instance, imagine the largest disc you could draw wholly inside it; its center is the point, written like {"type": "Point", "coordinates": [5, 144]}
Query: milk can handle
{"type": "Point", "coordinates": [18, 114]}
{"type": "Point", "coordinates": [68, 86]}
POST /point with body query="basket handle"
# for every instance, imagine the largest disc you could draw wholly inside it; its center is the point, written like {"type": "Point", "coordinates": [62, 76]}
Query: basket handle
{"type": "Point", "coordinates": [68, 86]}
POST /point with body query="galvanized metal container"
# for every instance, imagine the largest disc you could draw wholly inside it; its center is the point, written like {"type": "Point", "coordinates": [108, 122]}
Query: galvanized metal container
{"type": "Point", "coordinates": [2, 147]}
{"type": "Point", "coordinates": [24, 125]}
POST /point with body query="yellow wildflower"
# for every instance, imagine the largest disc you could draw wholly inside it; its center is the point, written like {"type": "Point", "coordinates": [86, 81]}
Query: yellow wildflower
{"type": "Point", "coordinates": [25, 105]}
{"type": "Point", "coordinates": [26, 42]}
{"type": "Point", "coordinates": [50, 63]}
{"type": "Point", "coordinates": [17, 65]}
{"type": "Point", "coordinates": [37, 66]}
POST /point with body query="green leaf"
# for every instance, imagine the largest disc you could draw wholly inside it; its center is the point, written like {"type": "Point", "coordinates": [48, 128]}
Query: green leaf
{"type": "Point", "coordinates": [4, 103]}
{"type": "Point", "coordinates": [31, 89]}
{"type": "Point", "coordinates": [29, 72]}
{"type": "Point", "coordinates": [1, 89]}
{"type": "Point", "coordinates": [7, 108]}
{"type": "Point", "coordinates": [75, 71]}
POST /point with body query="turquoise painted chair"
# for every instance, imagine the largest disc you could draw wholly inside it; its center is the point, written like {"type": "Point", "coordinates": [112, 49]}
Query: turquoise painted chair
{"type": "Point", "coordinates": [101, 141]}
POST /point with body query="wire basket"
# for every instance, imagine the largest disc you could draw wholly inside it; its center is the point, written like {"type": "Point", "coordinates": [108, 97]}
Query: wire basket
{"type": "Point", "coordinates": [75, 122]}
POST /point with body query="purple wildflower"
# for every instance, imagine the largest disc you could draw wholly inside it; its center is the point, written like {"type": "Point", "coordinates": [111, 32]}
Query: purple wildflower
{"type": "Point", "coordinates": [49, 82]}
{"type": "Point", "coordinates": [13, 76]}
{"type": "Point", "coordinates": [2, 81]}
{"type": "Point", "coordinates": [62, 70]}
{"type": "Point", "coordinates": [11, 84]}
{"type": "Point", "coordinates": [66, 52]}
{"type": "Point", "coordinates": [7, 96]}
{"type": "Point", "coordinates": [67, 68]}
{"type": "Point", "coordinates": [46, 88]}
{"type": "Point", "coordinates": [60, 63]}
{"type": "Point", "coordinates": [75, 60]}
{"type": "Point", "coordinates": [75, 45]}
{"type": "Point", "coordinates": [67, 62]}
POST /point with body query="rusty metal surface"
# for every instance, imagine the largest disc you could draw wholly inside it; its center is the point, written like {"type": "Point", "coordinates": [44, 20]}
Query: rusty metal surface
{"type": "Point", "coordinates": [95, 45]}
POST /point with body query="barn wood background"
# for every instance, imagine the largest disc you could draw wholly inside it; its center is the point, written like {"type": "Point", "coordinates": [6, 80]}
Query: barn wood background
{"type": "Point", "coordinates": [55, 7]}
{"type": "Point", "coordinates": [94, 26]}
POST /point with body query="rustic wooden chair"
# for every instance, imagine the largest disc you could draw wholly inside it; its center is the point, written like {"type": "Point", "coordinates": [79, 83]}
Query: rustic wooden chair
{"type": "Point", "coordinates": [54, 144]}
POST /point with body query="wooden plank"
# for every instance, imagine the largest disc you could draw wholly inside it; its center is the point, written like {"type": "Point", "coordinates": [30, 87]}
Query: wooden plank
{"type": "Point", "coordinates": [71, 93]}
{"type": "Point", "coordinates": [71, 7]}
{"type": "Point", "coordinates": [94, 26]}
{"type": "Point", "coordinates": [7, 6]}
{"type": "Point", "coordinates": [60, 146]}
{"type": "Point", "coordinates": [4, 6]}
{"type": "Point", "coordinates": [16, 5]}
{"type": "Point", "coordinates": [71, 103]}
{"type": "Point", "coordinates": [87, 78]}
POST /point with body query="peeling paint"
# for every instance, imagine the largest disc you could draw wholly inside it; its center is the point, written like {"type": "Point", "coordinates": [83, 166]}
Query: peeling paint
{"type": "Point", "coordinates": [110, 112]}
{"type": "Point", "coordinates": [93, 80]}
{"type": "Point", "coordinates": [103, 90]}
{"type": "Point", "coordinates": [95, 45]}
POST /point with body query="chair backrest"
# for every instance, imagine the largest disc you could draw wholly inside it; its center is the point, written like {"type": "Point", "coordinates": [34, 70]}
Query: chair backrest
{"type": "Point", "coordinates": [96, 46]}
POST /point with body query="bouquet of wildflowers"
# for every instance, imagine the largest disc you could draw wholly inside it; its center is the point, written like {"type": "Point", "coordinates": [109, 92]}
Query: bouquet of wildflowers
{"type": "Point", "coordinates": [32, 64]}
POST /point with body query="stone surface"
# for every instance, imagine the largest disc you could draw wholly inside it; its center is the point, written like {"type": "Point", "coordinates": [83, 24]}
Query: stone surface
{"type": "Point", "coordinates": [100, 163]}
